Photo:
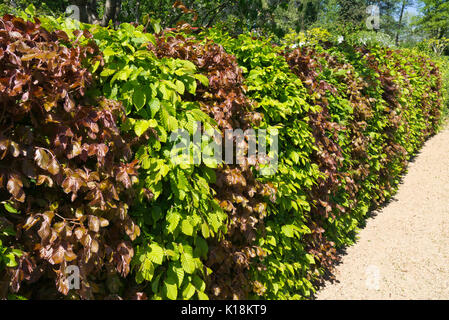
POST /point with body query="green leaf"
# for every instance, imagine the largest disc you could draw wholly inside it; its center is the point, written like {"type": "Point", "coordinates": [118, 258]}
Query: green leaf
{"type": "Point", "coordinates": [31, 10]}
{"type": "Point", "coordinates": [180, 88]}
{"type": "Point", "coordinates": [199, 115]}
{"type": "Point", "coordinates": [95, 66]}
{"type": "Point", "coordinates": [16, 297]}
{"type": "Point", "coordinates": [173, 220]}
{"type": "Point", "coordinates": [109, 52]}
{"type": "Point", "coordinates": [182, 182]}
{"type": "Point", "coordinates": [188, 291]}
{"type": "Point", "coordinates": [156, 253]}
{"type": "Point", "coordinates": [155, 105]}
{"type": "Point", "coordinates": [10, 208]}
{"type": "Point", "coordinates": [156, 24]}
{"type": "Point", "coordinates": [142, 125]}
{"type": "Point", "coordinates": [205, 230]}
{"type": "Point", "coordinates": [139, 98]}
{"type": "Point", "coordinates": [214, 220]}
{"type": "Point", "coordinates": [202, 296]}
{"type": "Point", "coordinates": [170, 288]}
{"type": "Point", "coordinates": [210, 175]}
{"type": "Point", "coordinates": [203, 79]}
{"type": "Point", "coordinates": [188, 264]}
{"type": "Point", "coordinates": [188, 66]}
{"type": "Point", "coordinates": [8, 231]}
{"type": "Point", "coordinates": [147, 270]}
{"type": "Point", "coordinates": [155, 283]}
{"type": "Point", "coordinates": [201, 246]}
{"type": "Point", "coordinates": [176, 272]}
{"type": "Point", "coordinates": [10, 258]}
{"type": "Point", "coordinates": [210, 162]}
{"type": "Point", "coordinates": [203, 185]}
{"type": "Point", "coordinates": [156, 213]}
{"type": "Point", "coordinates": [310, 258]}
{"type": "Point", "coordinates": [172, 123]}
{"type": "Point", "coordinates": [107, 72]}
{"type": "Point", "coordinates": [186, 227]}
{"type": "Point", "coordinates": [287, 230]}
{"type": "Point", "coordinates": [164, 118]}
{"type": "Point", "coordinates": [198, 283]}
{"type": "Point", "coordinates": [191, 86]}
{"type": "Point", "coordinates": [165, 92]}
{"type": "Point", "coordinates": [128, 124]}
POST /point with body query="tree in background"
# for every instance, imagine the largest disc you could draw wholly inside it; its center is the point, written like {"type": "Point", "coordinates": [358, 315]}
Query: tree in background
{"type": "Point", "coordinates": [52, 7]}
{"type": "Point", "coordinates": [352, 11]}
{"type": "Point", "coordinates": [276, 17]}
{"type": "Point", "coordinates": [400, 23]}
{"type": "Point", "coordinates": [435, 18]}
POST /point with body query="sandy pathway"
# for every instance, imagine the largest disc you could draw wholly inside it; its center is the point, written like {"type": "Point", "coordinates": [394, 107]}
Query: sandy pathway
{"type": "Point", "coordinates": [403, 252]}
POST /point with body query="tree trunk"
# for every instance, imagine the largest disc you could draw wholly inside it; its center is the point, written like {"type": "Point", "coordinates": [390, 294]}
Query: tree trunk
{"type": "Point", "coordinates": [303, 12]}
{"type": "Point", "coordinates": [137, 11]}
{"type": "Point", "coordinates": [87, 14]}
{"type": "Point", "coordinates": [404, 3]}
{"type": "Point", "coordinates": [110, 8]}
{"type": "Point", "coordinates": [88, 11]}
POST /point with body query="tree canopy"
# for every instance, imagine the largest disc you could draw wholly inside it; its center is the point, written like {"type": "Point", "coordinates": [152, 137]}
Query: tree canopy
{"type": "Point", "coordinates": [427, 19]}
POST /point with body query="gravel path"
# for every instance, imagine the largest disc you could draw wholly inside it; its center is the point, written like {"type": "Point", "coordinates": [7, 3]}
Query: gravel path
{"type": "Point", "coordinates": [403, 252]}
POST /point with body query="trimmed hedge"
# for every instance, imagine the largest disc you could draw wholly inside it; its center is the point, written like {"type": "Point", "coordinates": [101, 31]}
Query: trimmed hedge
{"type": "Point", "coordinates": [94, 183]}
{"type": "Point", "coordinates": [372, 117]}
{"type": "Point", "coordinates": [65, 187]}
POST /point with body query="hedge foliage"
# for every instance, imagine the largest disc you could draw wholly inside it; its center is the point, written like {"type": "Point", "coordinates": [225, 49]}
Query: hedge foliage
{"type": "Point", "coordinates": [65, 167]}
{"type": "Point", "coordinates": [87, 175]}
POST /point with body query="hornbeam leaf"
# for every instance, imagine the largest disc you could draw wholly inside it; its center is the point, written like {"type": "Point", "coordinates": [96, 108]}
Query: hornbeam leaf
{"type": "Point", "coordinates": [155, 105]}
{"type": "Point", "coordinates": [141, 126]}
{"type": "Point", "coordinates": [186, 227]}
{"type": "Point", "coordinates": [187, 262]}
{"type": "Point", "coordinates": [177, 273]}
{"type": "Point", "coordinates": [188, 291]}
{"type": "Point", "coordinates": [170, 288]}
{"type": "Point", "coordinates": [203, 79]}
{"type": "Point", "coordinates": [180, 88]}
{"type": "Point", "coordinates": [202, 296]}
{"type": "Point", "coordinates": [139, 98]}
{"type": "Point", "coordinates": [156, 253]}
{"type": "Point", "coordinates": [147, 270]}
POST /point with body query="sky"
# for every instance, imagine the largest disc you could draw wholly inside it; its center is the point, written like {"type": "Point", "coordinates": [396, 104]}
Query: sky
{"type": "Point", "coordinates": [412, 10]}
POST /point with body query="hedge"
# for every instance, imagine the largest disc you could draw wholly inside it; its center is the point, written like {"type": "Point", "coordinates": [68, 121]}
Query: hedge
{"type": "Point", "coordinates": [87, 176]}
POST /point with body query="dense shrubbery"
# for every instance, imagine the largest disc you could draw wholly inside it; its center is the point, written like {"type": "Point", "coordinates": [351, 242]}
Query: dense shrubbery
{"type": "Point", "coordinates": [443, 65]}
{"type": "Point", "coordinates": [64, 178]}
{"type": "Point", "coordinates": [87, 176]}
{"type": "Point", "coordinates": [279, 95]}
{"type": "Point", "coordinates": [237, 190]}
{"type": "Point", "coordinates": [174, 203]}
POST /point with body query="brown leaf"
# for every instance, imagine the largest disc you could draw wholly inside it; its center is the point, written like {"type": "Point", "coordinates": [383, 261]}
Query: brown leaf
{"type": "Point", "coordinates": [44, 231]}
{"type": "Point", "coordinates": [94, 223]}
{"type": "Point", "coordinates": [14, 186]}
{"type": "Point", "coordinates": [53, 167]}
{"type": "Point", "coordinates": [42, 158]}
